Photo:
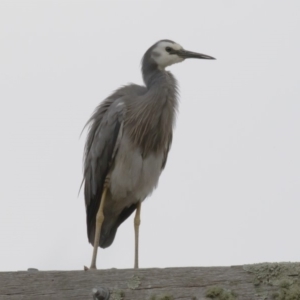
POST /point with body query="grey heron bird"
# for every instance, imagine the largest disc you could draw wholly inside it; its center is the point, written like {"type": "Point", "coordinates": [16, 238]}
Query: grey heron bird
{"type": "Point", "coordinates": [130, 134]}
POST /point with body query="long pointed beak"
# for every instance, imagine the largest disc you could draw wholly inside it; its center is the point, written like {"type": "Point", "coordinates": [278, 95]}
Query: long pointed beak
{"type": "Point", "coordinates": [190, 54]}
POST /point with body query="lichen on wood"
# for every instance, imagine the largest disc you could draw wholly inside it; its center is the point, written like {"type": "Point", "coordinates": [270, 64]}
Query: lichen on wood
{"type": "Point", "coordinates": [269, 281]}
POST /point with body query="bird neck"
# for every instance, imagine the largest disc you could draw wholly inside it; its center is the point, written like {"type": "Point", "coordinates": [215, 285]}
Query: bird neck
{"type": "Point", "coordinates": [152, 115]}
{"type": "Point", "coordinates": [161, 87]}
{"type": "Point", "coordinates": [157, 79]}
{"type": "Point", "coordinates": [151, 75]}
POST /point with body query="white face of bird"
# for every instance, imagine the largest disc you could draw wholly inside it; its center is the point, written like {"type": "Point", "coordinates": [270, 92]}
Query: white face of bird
{"type": "Point", "coordinates": [164, 54]}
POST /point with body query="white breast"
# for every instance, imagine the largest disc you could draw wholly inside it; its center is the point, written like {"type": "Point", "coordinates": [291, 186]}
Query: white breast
{"type": "Point", "coordinates": [133, 177]}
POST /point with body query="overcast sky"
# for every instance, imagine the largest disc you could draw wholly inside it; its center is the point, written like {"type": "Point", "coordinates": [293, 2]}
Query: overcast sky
{"type": "Point", "coordinates": [230, 192]}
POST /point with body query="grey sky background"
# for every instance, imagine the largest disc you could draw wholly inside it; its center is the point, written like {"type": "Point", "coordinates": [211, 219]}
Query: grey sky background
{"type": "Point", "coordinates": [230, 192]}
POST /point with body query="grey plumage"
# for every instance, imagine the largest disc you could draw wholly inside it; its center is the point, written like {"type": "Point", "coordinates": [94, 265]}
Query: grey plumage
{"type": "Point", "coordinates": [130, 134]}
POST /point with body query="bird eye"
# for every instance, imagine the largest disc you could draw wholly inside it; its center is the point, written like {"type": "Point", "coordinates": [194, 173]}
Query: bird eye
{"type": "Point", "coordinates": [169, 49]}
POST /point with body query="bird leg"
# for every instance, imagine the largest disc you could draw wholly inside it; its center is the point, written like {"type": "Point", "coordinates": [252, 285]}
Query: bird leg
{"type": "Point", "coordinates": [137, 222]}
{"type": "Point", "coordinates": [99, 222]}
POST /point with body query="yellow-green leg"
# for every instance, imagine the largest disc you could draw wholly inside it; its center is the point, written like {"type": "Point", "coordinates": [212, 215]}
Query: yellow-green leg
{"type": "Point", "coordinates": [99, 222]}
{"type": "Point", "coordinates": [137, 222]}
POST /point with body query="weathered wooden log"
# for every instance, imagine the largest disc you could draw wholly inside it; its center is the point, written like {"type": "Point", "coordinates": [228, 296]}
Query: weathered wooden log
{"type": "Point", "coordinates": [278, 281]}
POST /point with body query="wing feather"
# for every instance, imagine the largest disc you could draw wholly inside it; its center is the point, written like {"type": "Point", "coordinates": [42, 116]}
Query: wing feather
{"type": "Point", "coordinates": [166, 152]}
{"type": "Point", "coordinates": [101, 146]}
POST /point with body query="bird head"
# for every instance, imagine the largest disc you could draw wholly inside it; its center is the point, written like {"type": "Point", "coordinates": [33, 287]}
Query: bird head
{"type": "Point", "coordinates": [166, 53]}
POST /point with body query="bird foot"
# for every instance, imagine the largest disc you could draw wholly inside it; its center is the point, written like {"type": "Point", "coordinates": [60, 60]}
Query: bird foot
{"type": "Point", "coordinates": [85, 268]}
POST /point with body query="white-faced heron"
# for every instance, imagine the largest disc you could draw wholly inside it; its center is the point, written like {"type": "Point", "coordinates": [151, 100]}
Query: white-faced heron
{"type": "Point", "coordinates": [130, 134]}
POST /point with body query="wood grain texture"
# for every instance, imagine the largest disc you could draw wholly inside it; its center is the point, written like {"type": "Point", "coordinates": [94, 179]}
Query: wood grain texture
{"type": "Point", "coordinates": [279, 281]}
